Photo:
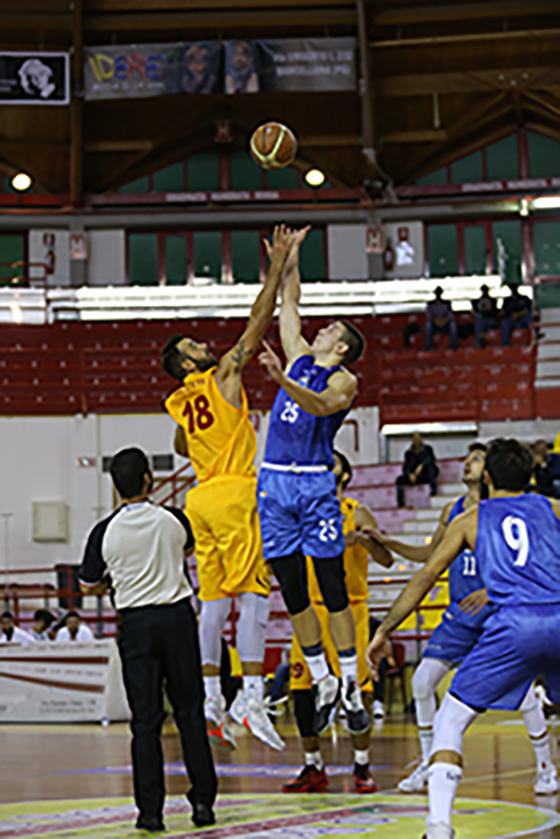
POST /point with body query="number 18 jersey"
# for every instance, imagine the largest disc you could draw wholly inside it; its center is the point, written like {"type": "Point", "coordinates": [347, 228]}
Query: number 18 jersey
{"type": "Point", "coordinates": [518, 550]}
{"type": "Point", "coordinates": [220, 437]}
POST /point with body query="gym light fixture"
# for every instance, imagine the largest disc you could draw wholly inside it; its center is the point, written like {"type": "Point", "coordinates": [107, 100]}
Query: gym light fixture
{"type": "Point", "coordinates": [21, 181]}
{"type": "Point", "coordinates": [315, 177]}
{"type": "Point", "coordinates": [546, 202]}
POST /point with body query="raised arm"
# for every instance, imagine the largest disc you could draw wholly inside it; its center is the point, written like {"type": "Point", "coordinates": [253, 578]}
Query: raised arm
{"type": "Point", "coordinates": [338, 395]}
{"type": "Point", "coordinates": [460, 534]}
{"type": "Point", "coordinates": [365, 521]}
{"type": "Point", "coordinates": [417, 553]}
{"type": "Point", "coordinates": [231, 364]}
{"type": "Point", "coordinates": [293, 343]}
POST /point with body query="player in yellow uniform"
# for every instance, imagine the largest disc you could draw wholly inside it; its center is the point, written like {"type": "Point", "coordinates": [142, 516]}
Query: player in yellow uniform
{"type": "Point", "coordinates": [357, 519]}
{"type": "Point", "coordinates": [215, 432]}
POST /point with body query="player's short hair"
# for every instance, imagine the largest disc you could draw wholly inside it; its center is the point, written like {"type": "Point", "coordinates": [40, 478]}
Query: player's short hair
{"type": "Point", "coordinates": [355, 341]}
{"type": "Point", "coordinates": [172, 358]}
{"type": "Point", "coordinates": [477, 447]}
{"type": "Point", "coordinates": [7, 615]}
{"type": "Point", "coordinates": [346, 468]}
{"type": "Point", "coordinates": [127, 469]}
{"type": "Point", "coordinates": [45, 616]}
{"type": "Point", "coordinates": [509, 464]}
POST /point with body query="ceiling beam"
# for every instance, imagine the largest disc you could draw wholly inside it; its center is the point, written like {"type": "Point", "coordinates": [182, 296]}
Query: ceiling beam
{"type": "Point", "coordinates": [329, 140]}
{"type": "Point", "coordinates": [429, 135]}
{"type": "Point", "coordinates": [215, 5]}
{"type": "Point", "coordinates": [435, 40]}
{"type": "Point", "coordinates": [470, 81]}
{"type": "Point", "coordinates": [119, 146]}
{"type": "Point", "coordinates": [221, 20]}
{"type": "Point", "coordinates": [465, 11]}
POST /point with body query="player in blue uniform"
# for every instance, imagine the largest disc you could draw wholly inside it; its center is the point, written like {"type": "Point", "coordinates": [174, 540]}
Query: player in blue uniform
{"type": "Point", "coordinates": [457, 634]}
{"type": "Point", "coordinates": [298, 506]}
{"type": "Point", "coordinates": [516, 540]}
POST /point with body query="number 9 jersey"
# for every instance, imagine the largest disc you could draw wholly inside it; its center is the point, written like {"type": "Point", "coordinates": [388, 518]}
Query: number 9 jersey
{"type": "Point", "coordinates": [518, 550]}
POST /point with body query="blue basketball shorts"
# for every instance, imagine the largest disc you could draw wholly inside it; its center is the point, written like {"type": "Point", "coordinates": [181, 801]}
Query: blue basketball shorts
{"type": "Point", "coordinates": [452, 640]}
{"type": "Point", "coordinates": [299, 512]}
{"type": "Point", "coordinates": [517, 644]}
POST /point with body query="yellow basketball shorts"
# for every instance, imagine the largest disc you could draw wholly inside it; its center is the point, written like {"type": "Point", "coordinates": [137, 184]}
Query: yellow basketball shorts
{"type": "Point", "coordinates": [300, 677]}
{"type": "Point", "coordinates": [228, 545]}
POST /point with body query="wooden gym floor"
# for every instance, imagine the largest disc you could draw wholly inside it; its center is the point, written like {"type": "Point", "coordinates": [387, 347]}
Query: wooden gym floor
{"type": "Point", "coordinates": [66, 765]}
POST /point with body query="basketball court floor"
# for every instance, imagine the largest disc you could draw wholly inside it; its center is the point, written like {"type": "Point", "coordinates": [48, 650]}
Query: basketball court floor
{"type": "Point", "coordinates": [75, 781]}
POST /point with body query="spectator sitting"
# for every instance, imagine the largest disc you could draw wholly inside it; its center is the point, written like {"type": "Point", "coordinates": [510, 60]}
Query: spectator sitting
{"type": "Point", "coordinates": [43, 620]}
{"type": "Point", "coordinates": [485, 315]}
{"type": "Point", "coordinates": [74, 630]}
{"type": "Point", "coordinates": [12, 634]}
{"type": "Point", "coordinates": [419, 468]}
{"type": "Point", "coordinates": [516, 313]}
{"type": "Point", "coordinates": [440, 318]}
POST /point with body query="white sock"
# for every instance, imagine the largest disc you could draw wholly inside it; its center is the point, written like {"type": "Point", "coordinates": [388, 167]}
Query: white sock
{"type": "Point", "coordinates": [361, 756]}
{"type": "Point", "coordinates": [317, 666]}
{"type": "Point", "coordinates": [426, 739]}
{"type": "Point", "coordinates": [542, 752]}
{"type": "Point", "coordinates": [443, 780]}
{"type": "Point", "coordinates": [212, 687]}
{"type": "Point", "coordinates": [253, 686]}
{"type": "Point", "coordinates": [349, 668]}
{"type": "Point", "coordinates": [314, 759]}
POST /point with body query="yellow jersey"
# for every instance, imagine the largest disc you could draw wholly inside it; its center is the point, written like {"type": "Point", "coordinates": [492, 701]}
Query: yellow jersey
{"type": "Point", "coordinates": [220, 437]}
{"type": "Point", "coordinates": [356, 561]}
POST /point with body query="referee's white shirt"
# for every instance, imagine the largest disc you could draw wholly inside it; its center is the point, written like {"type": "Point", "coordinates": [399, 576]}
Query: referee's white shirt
{"type": "Point", "coordinates": [142, 546]}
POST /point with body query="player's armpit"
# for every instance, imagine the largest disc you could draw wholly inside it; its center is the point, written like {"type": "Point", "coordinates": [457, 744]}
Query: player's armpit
{"type": "Point", "coordinates": [180, 442]}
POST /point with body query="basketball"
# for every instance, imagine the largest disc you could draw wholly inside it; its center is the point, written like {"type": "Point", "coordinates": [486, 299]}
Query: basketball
{"type": "Point", "coordinates": [273, 145]}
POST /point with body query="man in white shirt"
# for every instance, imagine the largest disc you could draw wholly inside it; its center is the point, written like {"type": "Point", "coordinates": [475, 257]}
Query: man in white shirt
{"type": "Point", "coordinates": [139, 551]}
{"type": "Point", "coordinates": [43, 621]}
{"type": "Point", "coordinates": [74, 630]}
{"type": "Point", "coordinates": [12, 634]}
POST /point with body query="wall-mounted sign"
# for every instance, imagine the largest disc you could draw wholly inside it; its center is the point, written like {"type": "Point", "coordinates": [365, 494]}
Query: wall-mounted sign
{"type": "Point", "coordinates": [34, 78]}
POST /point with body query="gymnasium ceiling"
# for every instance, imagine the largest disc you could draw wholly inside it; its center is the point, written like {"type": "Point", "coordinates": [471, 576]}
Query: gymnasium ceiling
{"type": "Point", "coordinates": [446, 76]}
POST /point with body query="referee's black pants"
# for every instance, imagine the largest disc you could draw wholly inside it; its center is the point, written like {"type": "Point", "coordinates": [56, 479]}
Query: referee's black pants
{"type": "Point", "coordinates": [157, 643]}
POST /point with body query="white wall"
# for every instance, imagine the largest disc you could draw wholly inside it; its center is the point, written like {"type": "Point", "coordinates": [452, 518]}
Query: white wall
{"type": "Point", "coordinates": [106, 257]}
{"type": "Point", "coordinates": [347, 252]}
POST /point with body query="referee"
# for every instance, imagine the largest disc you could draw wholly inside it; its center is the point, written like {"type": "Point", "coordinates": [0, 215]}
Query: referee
{"type": "Point", "coordinates": [139, 551]}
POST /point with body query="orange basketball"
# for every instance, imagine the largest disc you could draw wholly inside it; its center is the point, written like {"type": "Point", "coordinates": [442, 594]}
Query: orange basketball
{"type": "Point", "coordinates": [273, 145]}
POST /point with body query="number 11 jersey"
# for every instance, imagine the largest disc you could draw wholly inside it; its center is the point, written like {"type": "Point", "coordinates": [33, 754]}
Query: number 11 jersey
{"type": "Point", "coordinates": [518, 550]}
{"type": "Point", "coordinates": [220, 437]}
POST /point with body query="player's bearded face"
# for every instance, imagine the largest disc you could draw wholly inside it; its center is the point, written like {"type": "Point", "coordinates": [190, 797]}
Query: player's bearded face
{"type": "Point", "coordinates": [205, 362]}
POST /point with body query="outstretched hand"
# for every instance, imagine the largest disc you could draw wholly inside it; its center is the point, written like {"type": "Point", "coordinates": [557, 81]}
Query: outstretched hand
{"type": "Point", "coordinates": [378, 649]}
{"type": "Point", "coordinates": [282, 240]}
{"type": "Point", "coordinates": [270, 360]}
{"type": "Point", "coordinates": [298, 237]}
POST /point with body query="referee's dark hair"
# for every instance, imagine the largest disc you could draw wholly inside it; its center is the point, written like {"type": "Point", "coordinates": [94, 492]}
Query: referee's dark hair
{"type": "Point", "coordinates": [172, 358]}
{"type": "Point", "coordinates": [127, 469]}
{"type": "Point", "coordinates": [355, 341]}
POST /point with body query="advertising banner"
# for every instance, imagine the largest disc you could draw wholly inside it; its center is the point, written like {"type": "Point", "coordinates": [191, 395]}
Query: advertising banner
{"type": "Point", "coordinates": [34, 78]}
{"type": "Point", "coordinates": [120, 72]}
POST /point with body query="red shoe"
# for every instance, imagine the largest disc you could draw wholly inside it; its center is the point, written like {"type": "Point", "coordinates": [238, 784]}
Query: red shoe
{"type": "Point", "coordinates": [310, 779]}
{"type": "Point", "coordinates": [363, 782]}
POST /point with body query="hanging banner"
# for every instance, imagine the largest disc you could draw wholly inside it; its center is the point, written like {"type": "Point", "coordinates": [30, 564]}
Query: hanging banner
{"type": "Point", "coordinates": [131, 72]}
{"type": "Point", "coordinates": [307, 64]}
{"type": "Point", "coordinates": [206, 67]}
{"type": "Point", "coordinates": [34, 78]}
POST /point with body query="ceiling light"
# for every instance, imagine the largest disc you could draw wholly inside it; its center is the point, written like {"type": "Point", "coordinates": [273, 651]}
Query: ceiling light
{"type": "Point", "coordinates": [315, 177]}
{"type": "Point", "coordinates": [21, 181]}
{"type": "Point", "coordinates": [524, 208]}
{"type": "Point", "coordinates": [546, 202]}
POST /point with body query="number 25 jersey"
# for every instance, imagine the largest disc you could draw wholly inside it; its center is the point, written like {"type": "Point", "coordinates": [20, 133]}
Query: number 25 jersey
{"type": "Point", "coordinates": [220, 437]}
{"type": "Point", "coordinates": [518, 550]}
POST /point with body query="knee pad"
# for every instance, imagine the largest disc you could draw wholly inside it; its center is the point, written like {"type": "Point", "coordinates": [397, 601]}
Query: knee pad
{"type": "Point", "coordinates": [452, 720]}
{"type": "Point", "coordinates": [251, 627]}
{"type": "Point", "coordinates": [291, 573]}
{"type": "Point", "coordinates": [330, 576]}
{"type": "Point", "coordinates": [213, 617]}
{"type": "Point", "coordinates": [427, 677]}
{"type": "Point", "coordinates": [304, 707]}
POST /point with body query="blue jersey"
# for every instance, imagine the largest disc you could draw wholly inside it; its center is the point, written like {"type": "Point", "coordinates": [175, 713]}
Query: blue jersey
{"type": "Point", "coordinates": [296, 437]}
{"type": "Point", "coordinates": [464, 578]}
{"type": "Point", "coordinates": [518, 550]}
